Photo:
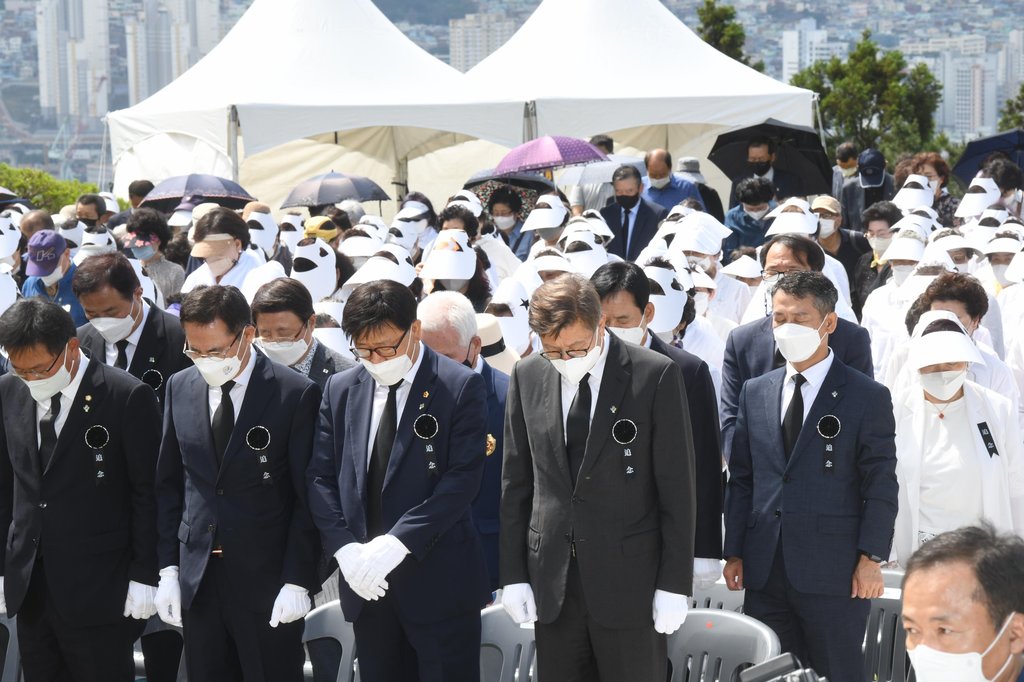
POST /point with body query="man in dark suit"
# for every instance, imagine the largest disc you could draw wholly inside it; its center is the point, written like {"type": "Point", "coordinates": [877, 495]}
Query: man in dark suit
{"type": "Point", "coordinates": [812, 494]}
{"type": "Point", "coordinates": [282, 311]}
{"type": "Point", "coordinates": [761, 164]}
{"type": "Point", "coordinates": [397, 463]}
{"type": "Point", "coordinates": [124, 330]}
{"type": "Point", "coordinates": [633, 219]}
{"type": "Point", "coordinates": [597, 507]}
{"type": "Point", "coordinates": [750, 350]}
{"type": "Point", "coordinates": [625, 301]}
{"type": "Point", "coordinates": [449, 327]}
{"type": "Point", "coordinates": [237, 545]}
{"type": "Point", "coordinates": [77, 458]}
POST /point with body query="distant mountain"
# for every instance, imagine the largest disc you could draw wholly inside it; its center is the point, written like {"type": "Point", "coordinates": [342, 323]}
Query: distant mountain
{"type": "Point", "coordinates": [419, 12]}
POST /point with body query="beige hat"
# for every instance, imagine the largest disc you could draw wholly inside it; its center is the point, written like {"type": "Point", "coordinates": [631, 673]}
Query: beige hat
{"type": "Point", "coordinates": [213, 245]}
{"type": "Point", "coordinates": [495, 352]}
{"type": "Point", "coordinates": [828, 203]}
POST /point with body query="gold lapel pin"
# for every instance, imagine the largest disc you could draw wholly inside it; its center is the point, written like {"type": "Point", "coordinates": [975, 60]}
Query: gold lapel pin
{"type": "Point", "coordinates": [88, 398]}
{"type": "Point", "coordinates": [426, 394]}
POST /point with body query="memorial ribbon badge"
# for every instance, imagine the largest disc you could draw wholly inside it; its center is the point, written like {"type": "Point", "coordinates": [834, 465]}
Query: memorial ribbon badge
{"type": "Point", "coordinates": [96, 438]}
{"type": "Point", "coordinates": [624, 432]}
{"type": "Point", "coordinates": [426, 427]}
{"type": "Point", "coordinates": [829, 427]}
{"type": "Point", "coordinates": [258, 439]}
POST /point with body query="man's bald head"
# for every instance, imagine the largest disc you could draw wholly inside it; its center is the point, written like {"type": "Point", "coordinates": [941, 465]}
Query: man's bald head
{"type": "Point", "coordinates": [659, 163]}
{"type": "Point", "coordinates": [34, 221]}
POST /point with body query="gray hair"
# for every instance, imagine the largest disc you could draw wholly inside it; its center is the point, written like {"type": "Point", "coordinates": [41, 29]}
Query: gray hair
{"type": "Point", "coordinates": [353, 209]}
{"type": "Point", "coordinates": [444, 310]}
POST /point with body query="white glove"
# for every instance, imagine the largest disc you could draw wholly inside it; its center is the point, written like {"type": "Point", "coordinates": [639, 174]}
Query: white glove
{"type": "Point", "coordinates": [168, 597]}
{"type": "Point", "coordinates": [3, 597]}
{"type": "Point", "coordinates": [291, 604]}
{"type": "Point", "coordinates": [139, 603]}
{"type": "Point", "coordinates": [669, 611]}
{"type": "Point", "coordinates": [706, 573]}
{"type": "Point", "coordinates": [350, 560]}
{"type": "Point", "coordinates": [381, 555]}
{"type": "Point", "coordinates": [517, 600]}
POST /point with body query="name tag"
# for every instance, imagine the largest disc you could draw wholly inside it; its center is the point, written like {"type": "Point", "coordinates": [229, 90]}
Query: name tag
{"type": "Point", "coordinates": [988, 439]}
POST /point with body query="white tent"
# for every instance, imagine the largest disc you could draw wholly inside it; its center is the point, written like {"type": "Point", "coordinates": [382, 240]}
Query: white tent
{"type": "Point", "coordinates": [633, 70]}
{"type": "Point", "coordinates": [298, 87]}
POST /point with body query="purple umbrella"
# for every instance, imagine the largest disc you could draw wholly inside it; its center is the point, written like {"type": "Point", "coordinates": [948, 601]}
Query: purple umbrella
{"type": "Point", "coordinates": [202, 188]}
{"type": "Point", "coordinates": [550, 151]}
{"type": "Point", "coordinates": [333, 188]}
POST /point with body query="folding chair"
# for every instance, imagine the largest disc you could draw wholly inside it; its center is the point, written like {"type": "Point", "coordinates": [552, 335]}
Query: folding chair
{"type": "Point", "coordinates": [893, 578]}
{"type": "Point", "coordinates": [331, 644]}
{"type": "Point", "coordinates": [12, 655]}
{"type": "Point", "coordinates": [885, 645]}
{"type": "Point", "coordinates": [714, 645]}
{"type": "Point", "coordinates": [718, 596]}
{"type": "Point", "coordinates": [507, 651]}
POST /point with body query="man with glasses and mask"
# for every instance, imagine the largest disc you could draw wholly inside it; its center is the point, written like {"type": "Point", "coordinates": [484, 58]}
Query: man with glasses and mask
{"type": "Point", "coordinates": [125, 330]}
{"type": "Point", "coordinates": [751, 351]}
{"type": "Point", "coordinates": [77, 459]}
{"type": "Point", "coordinates": [812, 494]}
{"type": "Point", "coordinates": [598, 501]}
{"type": "Point", "coordinates": [633, 219]}
{"type": "Point", "coordinates": [963, 607]}
{"type": "Point", "coordinates": [49, 272]}
{"type": "Point", "coordinates": [237, 548]}
{"type": "Point", "coordinates": [282, 311]}
{"type": "Point", "coordinates": [449, 327]}
{"type": "Point", "coordinates": [398, 460]}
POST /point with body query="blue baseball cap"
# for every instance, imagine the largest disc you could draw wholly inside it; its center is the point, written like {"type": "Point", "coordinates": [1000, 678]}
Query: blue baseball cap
{"type": "Point", "coordinates": [871, 167]}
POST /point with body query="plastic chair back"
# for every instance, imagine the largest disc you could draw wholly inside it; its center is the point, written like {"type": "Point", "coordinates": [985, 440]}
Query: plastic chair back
{"type": "Point", "coordinates": [718, 596]}
{"type": "Point", "coordinates": [885, 644]}
{"type": "Point", "coordinates": [12, 654]}
{"type": "Point", "coordinates": [893, 578]}
{"type": "Point", "coordinates": [331, 644]}
{"type": "Point", "coordinates": [714, 645]}
{"type": "Point", "coordinates": [507, 651]}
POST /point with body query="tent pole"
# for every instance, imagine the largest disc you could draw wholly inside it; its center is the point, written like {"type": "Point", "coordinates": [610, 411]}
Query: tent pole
{"type": "Point", "coordinates": [816, 103]}
{"type": "Point", "coordinates": [529, 121]}
{"type": "Point", "coordinates": [401, 179]}
{"type": "Point", "coordinates": [233, 141]}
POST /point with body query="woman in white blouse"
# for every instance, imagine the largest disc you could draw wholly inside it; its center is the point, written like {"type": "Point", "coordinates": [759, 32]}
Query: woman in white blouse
{"type": "Point", "coordinates": [958, 444]}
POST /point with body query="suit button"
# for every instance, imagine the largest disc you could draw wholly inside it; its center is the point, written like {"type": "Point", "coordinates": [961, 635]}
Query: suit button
{"type": "Point", "coordinates": [213, 527]}
{"type": "Point", "coordinates": [778, 513]}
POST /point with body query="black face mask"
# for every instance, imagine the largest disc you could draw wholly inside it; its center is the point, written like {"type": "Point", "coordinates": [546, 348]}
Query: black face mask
{"type": "Point", "coordinates": [627, 201]}
{"type": "Point", "coordinates": [760, 167]}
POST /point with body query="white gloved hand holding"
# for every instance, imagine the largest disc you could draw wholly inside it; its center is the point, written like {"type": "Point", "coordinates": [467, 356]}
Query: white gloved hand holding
{"type": "Point", "coordinates": [168, 597]}
{"type": "Point", "coordinates": [706, 573]}
{"type": "Point", "coordinates": [670, 611]}
{"type": "Point", "coordinates": [380, 556]}
{"type": "Point", "coordinates": [517, 600]}
{"type": "Point", "coordinates": [140, 601]}
{"type": "Point", "coordinates": [292, 603]}
{"type": "Point", "coordinates": [350, 560]}
{"type": "Point", "coordinates": [3, 597]}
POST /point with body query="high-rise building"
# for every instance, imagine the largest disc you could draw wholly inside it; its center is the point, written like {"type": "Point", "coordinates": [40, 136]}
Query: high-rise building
{"type": "Point", "coordinates": [969, 107]}
{"type": "Point", "coordinates": [73, 47]}
{"type": "Point", "coordinates": [805, 45]}
{"type": "Point", "coordinates": [475, 36]}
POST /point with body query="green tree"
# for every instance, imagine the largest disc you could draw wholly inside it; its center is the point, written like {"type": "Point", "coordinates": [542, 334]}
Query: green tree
{"type": "Point", "coordinates": [41, 188]}
{"type": "Point", "coordinates": [875, 99]}
{"type": "Point", "coordinates": [719, 29]}
{"type": "Point", "coordinates": [1012, 114]}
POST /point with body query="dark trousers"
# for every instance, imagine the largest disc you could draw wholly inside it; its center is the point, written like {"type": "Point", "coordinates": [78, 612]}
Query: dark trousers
{"type": "Point", "coordinates": [825, 632]}
{"type": "Point", "coordinates": [575, 648]}
{"type": "Point", "coordinates": [392, 649]}
{"type": "Point", "coordinates": [227, 641]}
{"type": "Point", "coordinates": [57, 650]}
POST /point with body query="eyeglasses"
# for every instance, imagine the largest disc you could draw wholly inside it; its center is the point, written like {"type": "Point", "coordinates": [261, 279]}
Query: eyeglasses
{"type": "Point", "coordinates": [31, 374]}
{"type": "Point", "coordinates": [215, 355]}
{"type": "Point", "coordinates": [381, 351]}
{"type": "Point", "coordinates": [571, 353]}
{"type": "Point", "coordinates": [302, 332]}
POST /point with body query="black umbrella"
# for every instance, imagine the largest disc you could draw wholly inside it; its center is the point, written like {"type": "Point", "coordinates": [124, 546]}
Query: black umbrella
{"type": "Point", "coordinates": [332, 188]}
{"type": "Point", "coordinates": [534, 181]}
{"type": "Point", "coordinates": [1010, 143]}
{"type": "Point", "coordinates": [798, 149]}
{"type": "Point", "coordinates": [199, 188]}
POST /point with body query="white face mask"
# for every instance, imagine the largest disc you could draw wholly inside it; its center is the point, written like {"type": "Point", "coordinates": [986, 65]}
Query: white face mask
{"type": "Point", "coordinates": [220, 266]}
{"type": "Point", "coordinates": [44, 389]}
{"type": "Point", "coordinates": [701, 300]}
{"type": "Point", "coordinates": [53, 277]}
{"type": "Point", "coordinates": [797, 342]}
{"type": "Point", "coordinates": [219, 371]}
{"type": "Point", "coordinates": [633, 335]}
{"type": "Point", "coordinates": [828, 227]}
{"type": "Point", "coordinates": [879, 244]}
{"type": "Point", "coordinates": [900, 273]}
{"type": "Point", "coordinates": [505, 222]}
{"type": "Point", "coordinates": [284, 352]}
{"type": "Point", "coordinates": [757, 215]}
{"type": "Point", "coordinates": [932, 665]}
{"type": "Point", "coordinates": [388, 372]}
{"type": "Point", "coordinates": [660, 183]}
{"type": "Point", "coordinates": [114, 329]}
{"type": "Point", "coordinates": [1000, 272]}
{"type": "Point", "coordinates": [850, 172]}
{"type": "Point", "coordinates": [935, 184]}
{"type": "Point", "coordinates": [573, 369]}
{"type": "Point", "coordinates": [943, 385]}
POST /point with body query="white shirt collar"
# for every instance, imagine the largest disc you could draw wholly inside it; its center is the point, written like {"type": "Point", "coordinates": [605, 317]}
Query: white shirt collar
{"type": "Point", "coordinates": [245, 375]}
{"type": "Point", "coordinates": [133, 338]}
{"type": "Point", "coordinates": [479, 366]}
{"type": "Point", "coordinates": [815, 374]}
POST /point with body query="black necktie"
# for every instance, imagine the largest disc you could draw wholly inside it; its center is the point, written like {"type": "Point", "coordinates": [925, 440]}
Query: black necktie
{"type": "Point", "coordinates": [48, 432]}
{"type": "Point", "coordinates": [625, 231]}
{"type": "Point", "coordinates": [122, 355]}
{"type": "Point", "coordinates": [223, 421]}
{"type": "Point", "coordinates": [383, 441]}
{"type": "Point", "coordinates": [577, 428]}
{"type": "Point", "coordinates": [794, 419]}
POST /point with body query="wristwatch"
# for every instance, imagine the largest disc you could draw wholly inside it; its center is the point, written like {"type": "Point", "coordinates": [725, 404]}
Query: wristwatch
{"type": "Point", "coordinates": [876, 559]}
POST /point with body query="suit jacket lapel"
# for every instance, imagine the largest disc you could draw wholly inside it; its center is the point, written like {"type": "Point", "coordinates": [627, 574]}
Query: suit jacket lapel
{"type": "Point", "coordinates": [551, 390]}
{"type": "Point", "coordinates": [89, 396]}
{"type": "Point", "coordinates": [257, 395]}
{"type": "Point", "coordinates": [150, 347]}
{"type": "Point", "coordinates": [21, 409]}
{"type": "Point", "coordinates": [829, 396]}
{"type": "Point", "coordinates": [616, 376]}
{"type": "Point", "coordinates": [358, 409]}
{"type": "Point", "coordinates": [95, 346]}
{"type": "Point", "coordinates": [416, 403]}
{"type": "Point", "coordinates": [773, 414]}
